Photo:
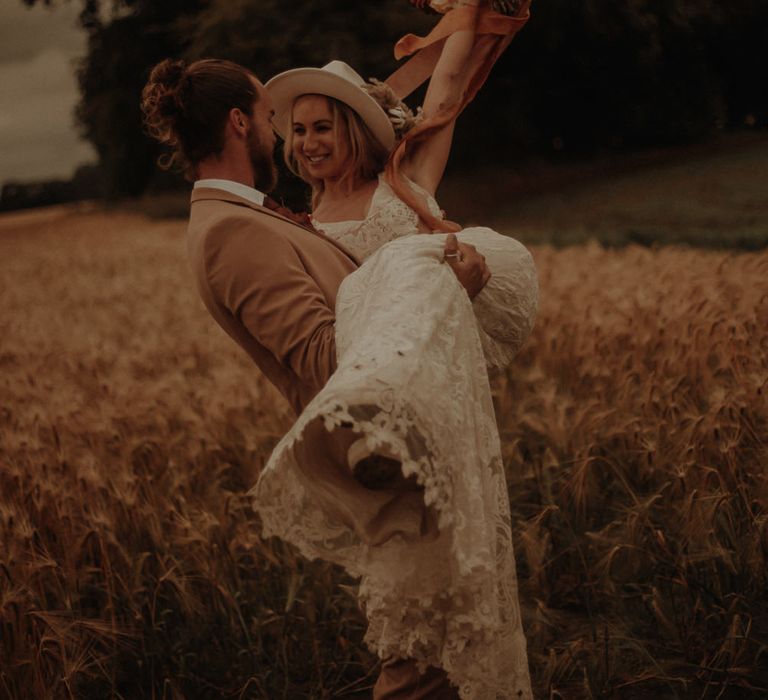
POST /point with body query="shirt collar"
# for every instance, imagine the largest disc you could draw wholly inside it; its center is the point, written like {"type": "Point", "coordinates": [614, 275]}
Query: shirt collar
{"type": "Point", "coordinates": [238, 188]}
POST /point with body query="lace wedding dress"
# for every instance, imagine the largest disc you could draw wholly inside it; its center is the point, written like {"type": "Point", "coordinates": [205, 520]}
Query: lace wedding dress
{"type": "Point", "coordinates": [505, 308]}
{"type": "Point", "coordinates": [434, 550]}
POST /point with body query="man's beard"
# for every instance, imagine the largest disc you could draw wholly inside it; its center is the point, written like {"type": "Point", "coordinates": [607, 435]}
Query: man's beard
{"type": "Point", "coordinates": [264, 169]}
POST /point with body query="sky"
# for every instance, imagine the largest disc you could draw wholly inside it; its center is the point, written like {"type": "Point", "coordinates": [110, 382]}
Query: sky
{"type": "Point", "coordinates": [38, 92]}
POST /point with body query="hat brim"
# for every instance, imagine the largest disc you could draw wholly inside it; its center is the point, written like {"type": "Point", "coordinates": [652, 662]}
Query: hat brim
{"type": "Point", "coordinates": [285, 87]}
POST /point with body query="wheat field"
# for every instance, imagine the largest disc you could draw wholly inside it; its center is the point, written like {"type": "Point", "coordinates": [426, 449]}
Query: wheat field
{"type": "Point", "coordinates": [634, 426]}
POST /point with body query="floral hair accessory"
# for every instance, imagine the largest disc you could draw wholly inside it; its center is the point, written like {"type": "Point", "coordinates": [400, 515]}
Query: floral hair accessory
{"type": "Point", "coordinates": [400, 114]}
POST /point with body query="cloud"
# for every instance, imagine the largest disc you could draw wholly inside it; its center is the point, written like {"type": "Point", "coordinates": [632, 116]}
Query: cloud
{"type": "Point", "coordinates": [38, 138]}
{"type": "Point", "coordinates": [25, 31]}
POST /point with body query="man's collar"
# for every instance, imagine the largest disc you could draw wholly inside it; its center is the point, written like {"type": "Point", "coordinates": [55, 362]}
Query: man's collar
{"type": "Point", "coordinates": [236, 188]}
{"type": "Point", "coordinates": [222, 191]}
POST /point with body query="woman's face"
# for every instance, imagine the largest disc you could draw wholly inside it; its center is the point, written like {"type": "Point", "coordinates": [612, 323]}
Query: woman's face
{"type": "Point", "coordinates": [315, 146]}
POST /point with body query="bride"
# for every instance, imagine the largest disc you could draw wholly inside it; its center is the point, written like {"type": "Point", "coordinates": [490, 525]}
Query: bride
{"type": "Point", "coordinates": [394, 469]}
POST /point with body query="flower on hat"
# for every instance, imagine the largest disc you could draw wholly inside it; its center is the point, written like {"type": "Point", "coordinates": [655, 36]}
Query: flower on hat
{"type": "Point", "coordinates": [402, 117]}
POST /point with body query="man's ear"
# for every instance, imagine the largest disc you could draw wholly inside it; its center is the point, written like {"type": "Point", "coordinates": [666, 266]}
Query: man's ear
{"type": "Point", "coordinates": [238, 121]}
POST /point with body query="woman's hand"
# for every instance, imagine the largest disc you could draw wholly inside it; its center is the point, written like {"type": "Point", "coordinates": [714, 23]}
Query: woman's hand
{"type": "Point", "coordinates": [506, 7]}
{"type": "Point", "coordinates": [423, 5]}
{"type": "Point", "coordinates": [443, 6]}
{"type": "Point", "coordinates": [467, 264]}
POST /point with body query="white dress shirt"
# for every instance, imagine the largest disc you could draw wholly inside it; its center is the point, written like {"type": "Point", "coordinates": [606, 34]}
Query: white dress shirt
{"type": "Point", "coordinates": [238, 188]}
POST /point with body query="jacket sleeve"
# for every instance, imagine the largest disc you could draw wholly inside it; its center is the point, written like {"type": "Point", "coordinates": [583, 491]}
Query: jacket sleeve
{"type": "Point", "coordinates": [259, 278]}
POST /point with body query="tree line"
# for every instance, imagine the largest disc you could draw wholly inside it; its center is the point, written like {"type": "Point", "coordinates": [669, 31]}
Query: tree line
{"type": "Point", "coordinates": [582, 77]}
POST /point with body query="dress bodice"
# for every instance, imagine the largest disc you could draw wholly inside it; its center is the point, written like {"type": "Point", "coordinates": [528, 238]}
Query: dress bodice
{"type": "Point", "coordinates": [506, 306]}
{"type": "Point", "coordinates": [388, 218]}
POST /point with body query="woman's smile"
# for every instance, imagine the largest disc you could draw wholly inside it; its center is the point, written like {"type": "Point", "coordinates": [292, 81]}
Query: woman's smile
{"type": "Point", "coordinates": [317, 144]}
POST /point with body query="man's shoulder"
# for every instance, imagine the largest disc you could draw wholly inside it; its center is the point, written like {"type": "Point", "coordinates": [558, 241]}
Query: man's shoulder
{"type": "Point", "coordinates": [206, 213]}
{"type": "Point", "coordinates": [216, 222]}
{"type": "Point", "coordinates": [247, 234]}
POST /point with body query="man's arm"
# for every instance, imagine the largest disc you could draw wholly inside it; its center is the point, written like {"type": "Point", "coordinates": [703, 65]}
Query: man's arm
{"type": "Point", "coordinates": [260, 279]}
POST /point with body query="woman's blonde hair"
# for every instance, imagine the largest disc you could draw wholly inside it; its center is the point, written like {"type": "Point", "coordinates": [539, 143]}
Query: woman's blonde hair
{"type": "Point", "coordinates": [366, 155]}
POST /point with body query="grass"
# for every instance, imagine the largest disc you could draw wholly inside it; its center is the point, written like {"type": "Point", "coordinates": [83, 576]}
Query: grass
{"type": "Point", "coordinates": [635, 434]}
{"type": "Point", "coordinates": [707, 197]}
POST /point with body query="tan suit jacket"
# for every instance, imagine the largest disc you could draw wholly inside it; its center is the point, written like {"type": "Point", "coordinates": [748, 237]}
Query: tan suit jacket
{"type": "Point", "coordinates": [271, 285]}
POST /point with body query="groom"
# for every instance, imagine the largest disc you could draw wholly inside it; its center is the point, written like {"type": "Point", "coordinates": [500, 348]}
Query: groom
{"type": "Point", "coordinates": [267, 278]}
{"type": "Point", "coordinates": [270, 283]}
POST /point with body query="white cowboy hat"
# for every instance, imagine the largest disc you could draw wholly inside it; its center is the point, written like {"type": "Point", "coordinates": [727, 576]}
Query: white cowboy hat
{"type": "Point", "coordinates": [336, 79]}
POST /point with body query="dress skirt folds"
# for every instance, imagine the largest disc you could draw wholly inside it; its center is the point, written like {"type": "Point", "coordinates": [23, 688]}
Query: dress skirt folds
{"type": "Point", "coordinates": [433, 544]}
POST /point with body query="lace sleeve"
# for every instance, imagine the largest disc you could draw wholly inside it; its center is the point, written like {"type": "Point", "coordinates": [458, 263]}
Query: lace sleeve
{"type": "Point", "coordinates": [506, 307]}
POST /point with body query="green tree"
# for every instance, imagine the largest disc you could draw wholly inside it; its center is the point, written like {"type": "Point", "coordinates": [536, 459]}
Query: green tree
{"type": "Point", "coordinates": [581, 77]}
{"type": "Point", "coordinates": [270, 36]}
{"type": "Point", "coordinates": [124, 42]}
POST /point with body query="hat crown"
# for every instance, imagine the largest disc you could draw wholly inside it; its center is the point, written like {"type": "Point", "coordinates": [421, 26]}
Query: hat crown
{"type": "Point", "coordinates": [345, 71]}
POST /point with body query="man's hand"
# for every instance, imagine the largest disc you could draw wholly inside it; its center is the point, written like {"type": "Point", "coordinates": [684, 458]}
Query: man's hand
{"type": "Point", "coordinates": [467, 264]}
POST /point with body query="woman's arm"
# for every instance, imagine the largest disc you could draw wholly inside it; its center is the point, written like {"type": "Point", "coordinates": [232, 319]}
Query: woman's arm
{"type": "Point", "coordinates": [426, 164]}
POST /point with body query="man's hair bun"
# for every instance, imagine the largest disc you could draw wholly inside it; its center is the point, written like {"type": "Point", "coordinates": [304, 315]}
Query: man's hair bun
{"type": "Point", "coordinates": [168, 73]}
{"type": "Point", "coordinates": [160, 99]}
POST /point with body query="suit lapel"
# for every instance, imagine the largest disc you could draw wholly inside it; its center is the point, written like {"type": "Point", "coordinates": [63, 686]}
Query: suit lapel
{"type": "Point", "coordinates": [211, 193]}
